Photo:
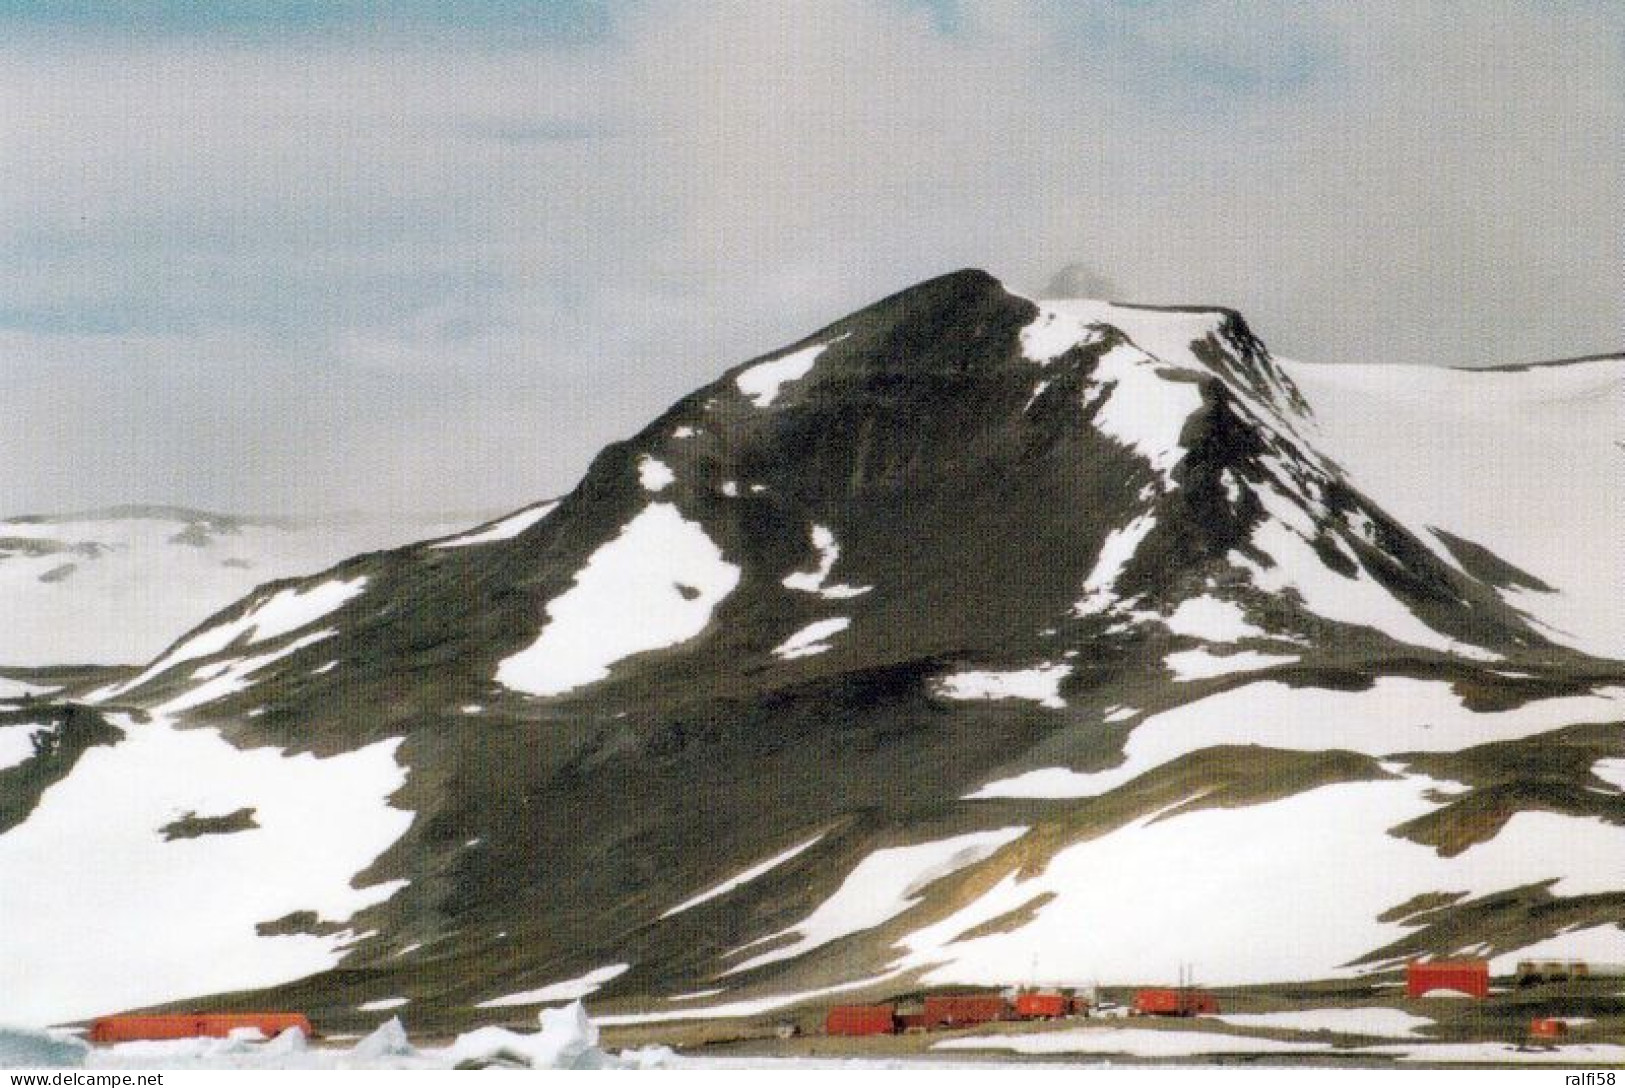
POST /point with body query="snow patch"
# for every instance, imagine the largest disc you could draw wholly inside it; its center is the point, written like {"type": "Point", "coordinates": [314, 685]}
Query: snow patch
{"type": "Point", "coordinates": [505, 529]}
{"type": "Point", "coordinates": [178, 917]}
{"type": "Point", "coordinates": [743, 878]}
{"type": "Point", "coordinates": [1595, 944]}
{"type": "Point", "coordinates": [1273, 910]}
{"type": "Point", "coordinates": [1115, 554]}
{"type": "Point", "coordinates": [810, 639]}
{"type": "Point", "coordinates": [1611, 771]}
{"type": "Point", "coordinates": [654, 475]}
{"type": "Point", "coordinates": [1040, 684]}
{"type": "Point", "coordinates": [1199, 664]}
{"type": "Point", "coordinates": [17, 742]}
{"type": "Point", "coordinates": [17, 689]}
{"type": "Point", "coordinates": [1397, 714]}
{"type": "Point", "coordinates": [568, 990]}
{"type": "Point", "coordinates": [1212, 620]}
{"type": "Point", "coordinates": [829, 552]}
{"type": "Point", "coordinates": [881, 886]}
{"type": "Point", "coordinates": [1376, 1020]}
{"type": "Point", "coordinates": [654, 585]}
{"type": "Point", "coordinates": [223, 678]}
{"type": "Point", "coordinates": [383, 1004]}
{"type": "Point", "coordinates": [284, 611]}
{"type": "Point", "coordinates": [1138, 1042]}
{"type": "Point", "coordinates": [762, 382]}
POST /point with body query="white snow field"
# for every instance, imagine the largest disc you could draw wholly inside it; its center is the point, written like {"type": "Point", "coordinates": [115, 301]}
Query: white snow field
{"type": "Point", "coordinates": [573, 989]}
{"type": "Point", "coordinates": [1123, 901]}
{"type": "Point", "coordinates": [1200, 664]}
{"type": "Point", "coordinates": [1137, 1042]}
{"type": "Point", "coordinates": [1360, 601]}
{"type": "Point", "coordinates": [18, 689]}
{"type": "Point", "coordinates": [1040, 684]}
{"type": "Point", "coordinates": [762, 382]}
{"type": "Point", "coordinates": [748, 1007]}
{"type": "Point", "coordinates": [1397, 714]}
{"type": "Point", "coordinates": [745, 877]}
{"type": "Point", "coordinates": [177, 917]}
{"type": "Point", "coordinates": [1377, 1021]}
{"type": "Point", "coordinates": [122, 588]}
{"type": "Point", "coordinates": [1212, 620]}
{"type": "Point", "coordinates": [273, 615]}
{"type": "Point", "coordinates": [1515, 461]}
{"type": "Point", "coordinates": [504, 529]}
{"type": "Point", "coordinates": [881, 886]}
{"type": "Point", "coordinates": [17, 742]}
{"type": "Point", "coordinates": [1594, 944]}
{"type": "Point", "coordinates": [222, 678]}
{"type": "Point", "coordinates": [652, 586]}
{"type": "Point", "coordinates": [1611, 771]}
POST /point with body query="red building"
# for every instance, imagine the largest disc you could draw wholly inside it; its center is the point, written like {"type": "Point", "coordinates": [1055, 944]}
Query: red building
{"type": "Point", "coordinates": [124, 1029]}
{"type": "Point", "coordinates": [1547, 1028]}
{"type": "Point", "coordinates": [1036, 1006]}
{"type": "Point", "coordinates": [1175, 1003]}
{"type": "Point", "coordinates": [861, 1020]}
{"type": "Point", "coordinates": [1470, 977]}
{"type": "Point", "coordinates": [952, 1010]}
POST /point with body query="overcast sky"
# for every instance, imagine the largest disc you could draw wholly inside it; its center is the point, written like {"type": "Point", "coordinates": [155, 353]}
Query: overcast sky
{"type": "Point", "coordinates": [425, 256]}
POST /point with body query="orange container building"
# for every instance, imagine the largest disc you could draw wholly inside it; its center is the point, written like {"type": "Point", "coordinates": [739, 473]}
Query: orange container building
{"type": "Point", "coordinates": [861, 1020]}
{"type": "Point", "coordinates": [1042, 1006]}
{"type": "Point", "coordinates": [124, 1029]}
{"type": "Point", "coordinates": [1175, 1003]}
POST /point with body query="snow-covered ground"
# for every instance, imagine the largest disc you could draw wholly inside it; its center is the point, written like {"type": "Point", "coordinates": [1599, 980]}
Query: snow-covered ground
{"type": "Point", "coordinates": [1397, 714]}
{"type": "Point", "coordinates": [881, 886]}
{"type": "Point", "coordinates": [1594, 944]}
{"type": "Point", "coordinates": [568, 990]}
{"type": "Point", "coordinates": [1378, 1020]}
{"type": "Point", "coordinates": [104, 589]}
{"type": "Point", "coordinates": [1200, 664]}
{"type": "Point", "coordinates": [1136, 1042]}
{"type": "Point", "coordinates": [90, 879]}
{"type": "Point", "coordinates": [276, 614]}
{"type": "Point", "coordinates": [1212, 620]}
{"type": "Point", "coordinates": [17, 742]}
{"type": "Point", "coordinates": [654, 585]}
{"type": "Point", "coordinates": [1121, 903]}
{"type": "Point", "coordinates": [1515, 462]}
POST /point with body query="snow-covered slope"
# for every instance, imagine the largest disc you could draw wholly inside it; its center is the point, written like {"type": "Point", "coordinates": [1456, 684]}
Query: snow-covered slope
{"type": "Point", "coordinates": [113, 587]}
{"type": "Point", "coordinates": [1526, 462]}
{"type": "Point", "coordinates": [964, 632]}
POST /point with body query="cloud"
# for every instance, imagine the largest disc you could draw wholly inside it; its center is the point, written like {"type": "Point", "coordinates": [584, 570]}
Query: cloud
{"type": "Point", "coordinates": [458, 257]}
{"type": "Point", "coordinates": [1077, 280]}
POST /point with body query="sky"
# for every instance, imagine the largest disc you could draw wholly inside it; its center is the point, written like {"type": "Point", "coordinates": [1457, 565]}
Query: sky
{"type": "Point", "coordinates": [425, 256]}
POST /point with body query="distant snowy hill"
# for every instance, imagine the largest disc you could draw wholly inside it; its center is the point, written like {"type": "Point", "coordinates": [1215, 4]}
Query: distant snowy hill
{"type": "Point", "coordinates": [113, 586]}
{"type": "Point", "coordinates": [969, 640]}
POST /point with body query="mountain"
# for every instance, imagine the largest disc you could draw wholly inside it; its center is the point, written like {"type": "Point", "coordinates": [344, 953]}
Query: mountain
{"type": "Point", "coordinates": [969, 640]}
{"type": "Point", "coordinates": [113, 586]}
